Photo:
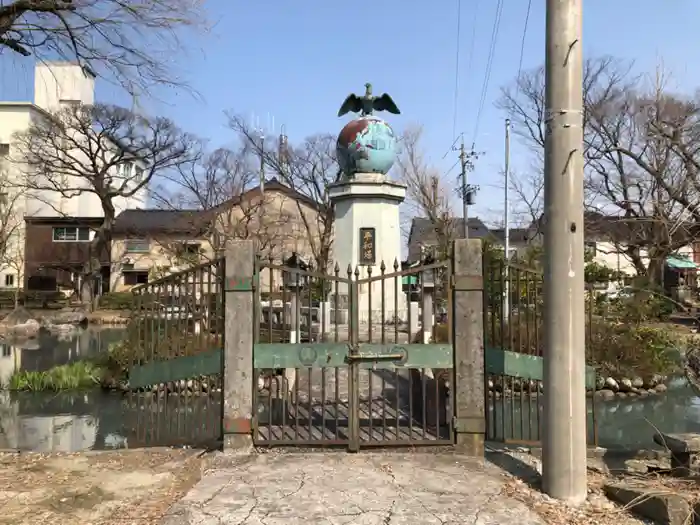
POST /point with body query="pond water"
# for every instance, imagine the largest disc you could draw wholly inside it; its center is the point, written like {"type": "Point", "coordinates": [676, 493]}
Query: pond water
{"type": "Point", "coordinates": [70, 422]}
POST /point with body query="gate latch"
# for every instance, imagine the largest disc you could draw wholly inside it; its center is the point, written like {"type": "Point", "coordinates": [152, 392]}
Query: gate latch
{"type": "Point", "coordinates": [356, 355]}
{"type": "Point", "coordinates": [374, 357]}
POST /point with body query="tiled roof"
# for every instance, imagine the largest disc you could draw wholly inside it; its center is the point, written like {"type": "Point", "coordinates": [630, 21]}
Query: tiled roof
{"type": "Point", "coordinates": [135, 222]}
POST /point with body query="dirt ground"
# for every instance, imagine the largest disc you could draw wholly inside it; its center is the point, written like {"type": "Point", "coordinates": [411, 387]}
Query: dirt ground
{"type": "Point", "coordinates": [102, 488]}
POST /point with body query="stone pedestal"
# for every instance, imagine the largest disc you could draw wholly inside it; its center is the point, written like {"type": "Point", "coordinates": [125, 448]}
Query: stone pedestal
{"type": "Point", "coordinates": [370, 200]}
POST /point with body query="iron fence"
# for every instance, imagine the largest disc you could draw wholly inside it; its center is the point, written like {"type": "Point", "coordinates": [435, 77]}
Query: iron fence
{"type": "Point", "coordinates": [513, 323]}
{"type": "Point", "coordinates": [332, 361]}
{"type": "Point", "coordinates": [174, 358]}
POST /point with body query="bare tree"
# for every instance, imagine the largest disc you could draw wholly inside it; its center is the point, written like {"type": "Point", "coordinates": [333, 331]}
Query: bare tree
{"type": "Point", "coordinates": [217, 188]}
{"type": "Point", "coordinates": [105, 151]}
{"type": "Point", "coordinates": [640, 145]}
{"type": "Point", "coordinates": [308, 169]}
{"type": "Point", "coordinates": [11, 227]}
{"type": "Point", "coordinates": [131, 41]}
{"type": "Point", "coordinates": [428, 193]}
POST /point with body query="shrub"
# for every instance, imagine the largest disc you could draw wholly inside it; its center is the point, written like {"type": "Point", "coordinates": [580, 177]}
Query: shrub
{"type": "Point", "coordinates": [622, 349]}
{"type": "Point", "coordinates": [32, 299]}
{"type": "Point", "coordinates": [613, 348]}
{"type": "Point", "coordinates": [73, 376]}
{"type": "Point", "coordinates": [117, 301]}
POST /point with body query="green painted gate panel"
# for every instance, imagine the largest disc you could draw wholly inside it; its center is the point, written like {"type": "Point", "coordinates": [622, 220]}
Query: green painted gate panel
{"type": "Point", "coordinates": [330, 355]}
{"type": "Point", "coordinates": [369, 355]}
{"type": "Point", "coordinates": [504, 363]}
{"type": "Point", "coordinates": [186, 367]}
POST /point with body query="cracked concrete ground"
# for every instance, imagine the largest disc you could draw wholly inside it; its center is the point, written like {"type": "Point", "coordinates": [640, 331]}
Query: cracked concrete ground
{"type": "Point", "coordinates": [357, 489]}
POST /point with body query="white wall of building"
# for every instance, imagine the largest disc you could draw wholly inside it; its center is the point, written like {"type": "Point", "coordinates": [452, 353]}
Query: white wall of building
{"type": "Point", "coordinates": [608, 255]}
{"type": "Point", "coordinates": [56, 86]}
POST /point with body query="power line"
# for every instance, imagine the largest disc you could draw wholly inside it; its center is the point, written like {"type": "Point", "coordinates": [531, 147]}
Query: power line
{"type": "Point", "coordinates": [522, 43]}
{"type": "Point", "coordinates": [489, 67]}
{"type": "Point", "coordinates": [459, 38]}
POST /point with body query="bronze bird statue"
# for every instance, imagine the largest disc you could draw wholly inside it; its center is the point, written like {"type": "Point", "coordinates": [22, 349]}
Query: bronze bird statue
{"type": "Point", "coordinates": [367, 104]}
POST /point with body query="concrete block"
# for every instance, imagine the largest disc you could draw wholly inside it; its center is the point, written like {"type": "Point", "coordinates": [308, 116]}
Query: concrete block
{"type": "Point", "coordinates": [647, 502]}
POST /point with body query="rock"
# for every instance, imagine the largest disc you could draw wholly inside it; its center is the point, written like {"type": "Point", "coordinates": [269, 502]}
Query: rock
{"type": "Point", "coordinates": [625, 384]}
{"type": "Point", "coordinates": [637, 382]}
{"type": "Point", "coordinates": [622, 395]}
{"type": "Point", "coordinates": [599, 382]}
{"type": "Point", "coordinates": [606, 395]}
{"type": "Point", "coordinates": [611, 384]}
{"type": "Point", "coordinates": [669, 508]}
{"type": "Point", "coordinates": [661, 388]}
{"type": "Point", "coordinates": [18, 316]}
{"type": "Point", "coordinates": [655, 380]}
{"type": "Point", "coordinates": [68, 317]}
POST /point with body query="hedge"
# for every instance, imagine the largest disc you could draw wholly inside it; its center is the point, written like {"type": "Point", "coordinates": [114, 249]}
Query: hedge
{"type": "Point", "coordinates": [32, 298]}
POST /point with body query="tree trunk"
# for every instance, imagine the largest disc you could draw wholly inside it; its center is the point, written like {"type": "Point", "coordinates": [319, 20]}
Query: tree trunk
{"type": "Point", "coordinates": [655, 271]}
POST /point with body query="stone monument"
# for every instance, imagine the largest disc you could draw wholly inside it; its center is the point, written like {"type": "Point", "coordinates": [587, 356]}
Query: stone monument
{"type": "Point", "coordinates": [367, 203]}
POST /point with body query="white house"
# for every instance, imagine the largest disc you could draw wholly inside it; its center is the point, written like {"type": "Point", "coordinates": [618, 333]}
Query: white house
{"type": "Point", "coordinates": [56, 86]}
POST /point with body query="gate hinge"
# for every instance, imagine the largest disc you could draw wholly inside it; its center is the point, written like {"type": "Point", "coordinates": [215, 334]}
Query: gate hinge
{"type": "Point", "coordinates": [467, 283]}
{"type": "Point", "coordinates": [469, 425]}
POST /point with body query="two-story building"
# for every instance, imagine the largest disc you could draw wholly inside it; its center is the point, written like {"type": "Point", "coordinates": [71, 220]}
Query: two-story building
{"type": "Point", "coordinates": [148, 244]}
{"type": "Point", "coordinates": [50, 247]}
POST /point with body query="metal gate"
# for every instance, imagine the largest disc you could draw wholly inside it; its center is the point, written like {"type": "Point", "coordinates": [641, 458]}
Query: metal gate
{"type": "Point", "coordinates": [352, 359]}
{"type": "Point", "coordinates": [174, 360]}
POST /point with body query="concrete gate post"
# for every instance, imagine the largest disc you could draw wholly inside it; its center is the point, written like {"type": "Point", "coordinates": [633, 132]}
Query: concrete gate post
{"type": "Point", "coordinates": [238, 346]}
{"type": "Point", "coordinates": [468, 341]}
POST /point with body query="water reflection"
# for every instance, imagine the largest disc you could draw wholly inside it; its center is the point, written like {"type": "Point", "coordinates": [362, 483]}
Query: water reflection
{"type": "Point", "coordinates": [49, 350]}
{"type": "Point", "coordinates": [97, 420]}
{"type": "Point", "coordinates": [621, 423]}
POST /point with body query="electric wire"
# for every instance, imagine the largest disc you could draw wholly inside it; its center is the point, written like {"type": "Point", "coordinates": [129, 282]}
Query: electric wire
{"type": "Point", "coordinates": [456, 94]}
{"type": "Point", "coordinates": [522, 43]}
{"type": "Point", "coordinates": [489, 67]}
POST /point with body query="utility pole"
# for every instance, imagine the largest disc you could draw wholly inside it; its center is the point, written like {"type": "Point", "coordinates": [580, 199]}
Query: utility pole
{"type": "Point", "coordinates": [506, 229]}
{"type": "Point", "coordinates": [564, 438]}
{"type": "Point", "coordinates": [467, 191]}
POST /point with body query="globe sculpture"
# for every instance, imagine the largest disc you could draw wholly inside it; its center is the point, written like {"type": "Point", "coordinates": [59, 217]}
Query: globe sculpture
{"type": "Point", "coordinates": [366, 144]}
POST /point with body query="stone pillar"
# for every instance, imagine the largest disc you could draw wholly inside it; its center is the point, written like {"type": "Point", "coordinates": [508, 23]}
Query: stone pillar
{"type": "Point", "coordinates": [238, 348]}
{"type": "Point", "coordinates": [468, 344]}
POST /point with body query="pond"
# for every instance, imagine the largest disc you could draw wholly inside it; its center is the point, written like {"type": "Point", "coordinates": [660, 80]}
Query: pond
{"type": "Point", "coordinates": [70, 422]}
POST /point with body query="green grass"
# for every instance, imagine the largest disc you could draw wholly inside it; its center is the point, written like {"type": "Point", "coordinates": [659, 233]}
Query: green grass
{"type": "Point", "coordinates": [74, 376]}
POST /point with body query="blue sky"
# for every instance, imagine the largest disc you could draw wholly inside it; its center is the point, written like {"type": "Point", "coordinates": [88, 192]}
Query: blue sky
{"type": "Point", "coordinates": [297, 61]}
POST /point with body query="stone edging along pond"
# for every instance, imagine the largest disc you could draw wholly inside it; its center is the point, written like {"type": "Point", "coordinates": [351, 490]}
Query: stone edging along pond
{"type": "Point", "coordinates": [607, 388]}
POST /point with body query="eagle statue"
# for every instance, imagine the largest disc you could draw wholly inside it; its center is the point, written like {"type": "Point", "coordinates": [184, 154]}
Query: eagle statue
{"type": "Point", "coordinates": [367, 104]}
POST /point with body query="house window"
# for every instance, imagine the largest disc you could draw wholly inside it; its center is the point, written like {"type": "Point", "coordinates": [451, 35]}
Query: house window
{"type": "Point", "coordinates": [589, 248]}
{"type": "Point", "coordinates": [138, 174]}
{"type": "Point", "coordinates": [134, 278]}
{"type": "Point", "coordinates": [71, 234]}
{"type": "Point", "coordinates": [4, 150]}
{"type": "Point", "coordinates": [10, 280]}
{"type": "Point", "coordinates": [3, 200]}
{"type": "Point", "coordinates": [6, 350]}
{"type": "Point", "coordinates": [138, 246]}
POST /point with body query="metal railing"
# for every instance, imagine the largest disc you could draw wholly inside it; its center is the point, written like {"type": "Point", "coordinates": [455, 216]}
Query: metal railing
{"type": "Point", "coordinates": [513, 322]}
